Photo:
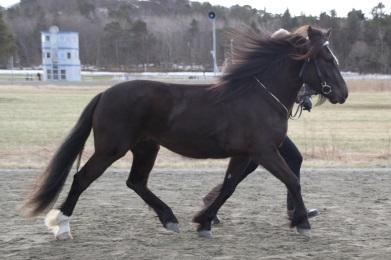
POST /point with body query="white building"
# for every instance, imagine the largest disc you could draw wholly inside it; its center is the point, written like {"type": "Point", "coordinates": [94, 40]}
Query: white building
{"type": "Point", "coordinates": [60, 55]}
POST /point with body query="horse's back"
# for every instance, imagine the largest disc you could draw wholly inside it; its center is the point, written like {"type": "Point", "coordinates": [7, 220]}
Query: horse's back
{"type": "Point", "coordinates": [141, 108]}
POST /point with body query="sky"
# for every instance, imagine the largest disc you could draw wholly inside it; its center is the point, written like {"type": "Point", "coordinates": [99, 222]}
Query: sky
{"type": "Point", "coordinates": [309, 7]}
{"type": "Point", "coordinates": [296, 7]}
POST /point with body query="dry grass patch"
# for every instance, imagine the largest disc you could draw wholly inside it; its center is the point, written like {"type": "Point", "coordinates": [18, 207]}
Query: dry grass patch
{"type": "Point", "coordinates": [35, 119]}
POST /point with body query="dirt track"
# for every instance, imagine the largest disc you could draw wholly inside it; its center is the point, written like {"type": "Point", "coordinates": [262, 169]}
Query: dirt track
{"type": "Point", "coordinates": [111, 222]}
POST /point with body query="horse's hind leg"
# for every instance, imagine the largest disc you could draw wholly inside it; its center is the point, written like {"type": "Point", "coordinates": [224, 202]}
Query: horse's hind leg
{"type": "Point", "coordinates": [234, 175]}
{"type": "Point", "coordinates": [214, 192]}
{"type": "Point", "coordinates": [144, 155]}
{"type": "Point", "coordinates": [58, 220]}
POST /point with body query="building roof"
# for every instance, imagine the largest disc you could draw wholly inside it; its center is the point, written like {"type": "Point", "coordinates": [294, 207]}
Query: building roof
{"type": "Point", "coordinates": [61, 32]}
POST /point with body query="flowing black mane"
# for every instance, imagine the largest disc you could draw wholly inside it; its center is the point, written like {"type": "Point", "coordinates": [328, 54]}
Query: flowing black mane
{"type": "Point", "coordinates": [259, 54]}
{"type": "Point", "coordinates": [256, 56]}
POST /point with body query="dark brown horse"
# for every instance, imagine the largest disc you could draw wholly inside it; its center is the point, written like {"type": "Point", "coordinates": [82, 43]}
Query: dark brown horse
{"type": "Point", "coordinates": [244, 116]}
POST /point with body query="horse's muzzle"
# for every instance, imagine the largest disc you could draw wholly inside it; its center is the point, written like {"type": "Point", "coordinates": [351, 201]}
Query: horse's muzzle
{"type": "Point", "coordinates": [337, 100]}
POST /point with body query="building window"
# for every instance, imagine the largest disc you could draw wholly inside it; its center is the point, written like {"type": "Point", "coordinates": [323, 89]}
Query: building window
{"type": "Point", "coordinates": [49, 74]}
{"type": "Point", "coordinates": [63, 74]}
{"type": "Point", "coordinates": [55, 74]}
{"type": "Point", "coordinates": [69, 55]}
{"type": "Point", "coordinates": [47, 38]}
{"type": "Point", "coordinates": [48, 55]}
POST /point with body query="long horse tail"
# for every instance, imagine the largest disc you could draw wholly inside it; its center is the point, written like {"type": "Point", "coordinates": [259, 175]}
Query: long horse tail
{"type": "Point", "coordinates": [49, 184]}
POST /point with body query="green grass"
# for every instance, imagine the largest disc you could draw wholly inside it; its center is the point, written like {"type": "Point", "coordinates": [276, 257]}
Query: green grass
{"type": "Point", "coordinates": [21, 78]}
{"type": "Point", "coordinates": [35, 119]}
{"type": "Point", "coordinates": [357, 133]}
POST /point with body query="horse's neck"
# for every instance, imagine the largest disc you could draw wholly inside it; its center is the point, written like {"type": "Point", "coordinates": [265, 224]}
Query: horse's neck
{"type": "Point", "coordinates": [286, 84]}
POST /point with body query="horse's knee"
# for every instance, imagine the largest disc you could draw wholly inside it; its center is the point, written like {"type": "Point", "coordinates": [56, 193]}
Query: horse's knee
{"type": "Point", "coordinates": [295, 185]}
{"type": "Point", "coordinates": [131, 184]}
{"type": "Point", "coordinates": [134, 184]}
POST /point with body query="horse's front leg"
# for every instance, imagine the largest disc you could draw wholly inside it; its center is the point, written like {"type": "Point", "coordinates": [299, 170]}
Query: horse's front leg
{"type": "Point", "coordinates": [275, 164]}
{"type": "Point", "coordinates": [233, 176]}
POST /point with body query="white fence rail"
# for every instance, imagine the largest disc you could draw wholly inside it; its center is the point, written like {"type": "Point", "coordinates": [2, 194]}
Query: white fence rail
{"type": "Point", "coordinates": [34, 75]}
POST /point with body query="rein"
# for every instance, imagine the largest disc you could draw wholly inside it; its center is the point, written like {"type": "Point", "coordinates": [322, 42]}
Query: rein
{"type": "Point", "coordinates": [289, 115]}
{"type": "Point", "coordinates": [273, 96]}
{"type": "Point", "coordinates": [299, 110]}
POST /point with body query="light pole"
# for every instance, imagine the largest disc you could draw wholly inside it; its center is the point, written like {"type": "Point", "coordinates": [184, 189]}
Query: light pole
{"type": "Point", "coordinates": [12, 68]}
{"type": "Point", "coordinates": [232, 50]}
{"type": "Point", "coordinates": [212, 17]}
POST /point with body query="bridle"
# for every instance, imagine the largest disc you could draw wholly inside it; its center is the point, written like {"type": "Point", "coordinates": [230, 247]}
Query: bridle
{"type": "Point", "coordinates": [325, 89]}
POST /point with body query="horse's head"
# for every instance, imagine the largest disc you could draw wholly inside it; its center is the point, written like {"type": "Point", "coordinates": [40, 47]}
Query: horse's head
{"type": "Point", "coordinates": [320, 69]}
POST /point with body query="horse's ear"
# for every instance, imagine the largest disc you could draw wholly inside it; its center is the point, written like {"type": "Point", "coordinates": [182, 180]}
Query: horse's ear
{"type": "Point", "coordinates": [309, 30]}
{"type": "Point", "coordinates": [314, 35]}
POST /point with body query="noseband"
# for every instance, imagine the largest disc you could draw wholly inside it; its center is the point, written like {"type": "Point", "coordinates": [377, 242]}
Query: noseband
{"type": "Point", "coordinates": [325, 88]}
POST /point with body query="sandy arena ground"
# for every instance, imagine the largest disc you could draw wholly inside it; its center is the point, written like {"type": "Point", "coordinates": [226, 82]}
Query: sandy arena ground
{"type": "Point", "coordinates": [111, 222]}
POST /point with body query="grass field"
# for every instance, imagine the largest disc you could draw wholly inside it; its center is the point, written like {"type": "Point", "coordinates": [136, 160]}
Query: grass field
{"type": "Point", "coordinates": [35, 118]}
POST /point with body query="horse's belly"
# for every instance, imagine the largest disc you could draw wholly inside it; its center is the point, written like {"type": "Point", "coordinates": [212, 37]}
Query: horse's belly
{"type": "Point", "coordinates": [198, 150]}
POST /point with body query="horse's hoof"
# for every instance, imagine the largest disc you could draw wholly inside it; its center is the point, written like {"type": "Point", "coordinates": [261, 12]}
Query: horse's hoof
{"type": "Point", "coordinates": [174, 227]}
{"type": "Point", "coordinates": [304, 231]}
{"type": "Point", "coordinates": [312, 213]}
{"type": "Point", "coordinates": [205, 234]}
{"type": "Point", "coordinates": [216, 221]}
{"type": "Point", "coordinates": [64, 236]}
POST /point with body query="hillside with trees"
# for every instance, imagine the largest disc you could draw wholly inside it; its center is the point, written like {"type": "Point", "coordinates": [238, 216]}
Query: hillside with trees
{"type": "Point", "coordinates": [167, 35]}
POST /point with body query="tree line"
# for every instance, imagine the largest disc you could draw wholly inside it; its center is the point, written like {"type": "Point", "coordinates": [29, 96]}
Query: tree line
{"type": "Point", "coordinates": [167, 35]}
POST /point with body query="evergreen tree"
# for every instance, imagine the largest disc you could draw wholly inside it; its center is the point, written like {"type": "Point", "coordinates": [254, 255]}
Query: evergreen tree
{"type": "Point", "coordinates": [140, 41]}
{"type": "Point", "coordinates": [86, 8]}
{"type": "Point", "coordinates": [377, 12]}
{"type": "Point", "coordinates": [7, 44]}
{"type": "Point", "coordinates": [287, 22]}
{"type": "Point", "coordinates": [191, 39]}
{"type": "Point", "coordinates": [111, 43]}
